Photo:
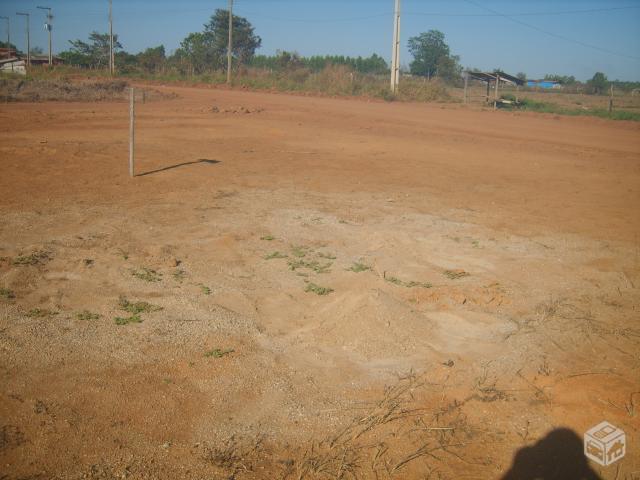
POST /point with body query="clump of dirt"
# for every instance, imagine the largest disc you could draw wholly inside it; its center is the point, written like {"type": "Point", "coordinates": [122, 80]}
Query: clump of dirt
{"type": "Point", "coordinates": [46, 90]}
{"type": "Point", "coordinates": [240, 109]}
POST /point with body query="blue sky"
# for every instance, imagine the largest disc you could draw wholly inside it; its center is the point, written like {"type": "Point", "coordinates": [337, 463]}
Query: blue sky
{"type": "Point", "coordinates": [473, 29]}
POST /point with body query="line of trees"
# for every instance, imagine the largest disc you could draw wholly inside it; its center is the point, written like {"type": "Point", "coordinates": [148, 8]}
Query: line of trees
{"type": "Point", "coordinates": [34, 50]}
{"type": "Point", "coordinates": [284, 60]}
{"type": "Point", "coordinates": [206, 51]}
{"type": "Point", "coordinates": [199, 52]}
{"type": "Point", "coordinates": [599, 84]}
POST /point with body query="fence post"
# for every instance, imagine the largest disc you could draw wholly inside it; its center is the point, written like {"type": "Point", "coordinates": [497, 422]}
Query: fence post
{"type": "Point", "coordinates": [132, 132]}
{"type": "Point", "coordinates": [466, 82]}
{"type": "Point", "coordinates": [611, 98]}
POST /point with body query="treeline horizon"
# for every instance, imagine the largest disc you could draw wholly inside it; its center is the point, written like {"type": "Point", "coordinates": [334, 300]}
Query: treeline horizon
{"type": "Point", "coordinates": [205, 52]}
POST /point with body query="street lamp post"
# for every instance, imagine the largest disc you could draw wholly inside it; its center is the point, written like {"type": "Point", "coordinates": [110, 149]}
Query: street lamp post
{"type": "Point", "coordinates": [26, 15]}
{"type": "Point", "coordinates": [49, 26]}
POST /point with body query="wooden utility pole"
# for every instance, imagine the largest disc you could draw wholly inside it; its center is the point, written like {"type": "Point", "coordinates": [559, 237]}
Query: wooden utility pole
{"type": "Point", "coordinates": [132, 130]}
{"type": "Point", "coordinates": [395, 53]}
{"type": "Point", "coordinates": [230, 46]}
{"type": "Point", "coordinates": [26, 15]}
{"type": "Point", "coordinates": [495, 101]}
{"type": "Point", "coordinates": [111, 57]}
{"type": "Point", "coordinates": [49, 26]}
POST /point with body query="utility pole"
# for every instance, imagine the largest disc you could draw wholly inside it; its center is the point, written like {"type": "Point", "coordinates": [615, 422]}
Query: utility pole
{"type": "Point", "coordinates": [111, 57]}
{"type": "Point", "coordinates": [26, 15]}
{"type": "Point", "coordinates": [230, 46]}
{"type": "Point", "coordinates": [395, 55]}
{"type": "Point", "coordinates": [48, 26]}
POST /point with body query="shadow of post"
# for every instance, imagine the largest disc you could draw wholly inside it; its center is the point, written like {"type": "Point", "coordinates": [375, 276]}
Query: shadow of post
{"type": "Point", "coordinates": [184, 164]}
{"type": "Point", "coordinates": [558, 456]}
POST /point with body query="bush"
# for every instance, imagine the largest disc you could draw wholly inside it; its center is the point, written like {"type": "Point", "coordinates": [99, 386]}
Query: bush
{"type": "Point", "coordinates": [42, 90]}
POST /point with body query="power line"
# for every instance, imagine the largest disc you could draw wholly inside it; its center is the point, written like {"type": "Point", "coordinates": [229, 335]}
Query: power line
{"type": "Point", "coordinates": [443, 14]}
{"type": "Point", "coordinates": [156, 12]}
{"type": "Point", "coordinates": [556, 35]}
{"type": "Point", "coordinates": [313, 20]}
{"type": "Point", "coordinates": [529, 14]}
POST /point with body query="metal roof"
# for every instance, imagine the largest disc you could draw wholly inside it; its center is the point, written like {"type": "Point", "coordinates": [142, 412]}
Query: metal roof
{"type": "Point", "coordinates": [491, 77]}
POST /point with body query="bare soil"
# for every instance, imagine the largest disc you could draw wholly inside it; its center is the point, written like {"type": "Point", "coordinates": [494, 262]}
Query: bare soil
{"type": "Point", "coordinates": [334, 289]}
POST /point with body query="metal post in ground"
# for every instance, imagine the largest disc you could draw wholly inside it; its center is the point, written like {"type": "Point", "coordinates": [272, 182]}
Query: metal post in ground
{"type": "Point", "coordinates": [132, 130]}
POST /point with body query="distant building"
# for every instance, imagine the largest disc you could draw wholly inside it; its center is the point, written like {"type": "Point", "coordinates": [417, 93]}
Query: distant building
{"type": "Point", "coordinates": [10, 63]}
{"type": "Point", "coordinates": [44, 60]}
{"type": "Point", "coordinates": [11, 56]}
{"type": "Point", "coordinates": [6, 53]}
{"type": "Point", "coordinates": [13, 65]}
{"type": "Point", "coordinates": [543, 84]}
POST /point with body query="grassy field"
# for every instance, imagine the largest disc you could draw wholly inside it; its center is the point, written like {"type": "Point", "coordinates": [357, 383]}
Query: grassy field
{"type": "Point", "coordinates": [625, 105]}
{"type": "Point", "coordinates": [340, 81]}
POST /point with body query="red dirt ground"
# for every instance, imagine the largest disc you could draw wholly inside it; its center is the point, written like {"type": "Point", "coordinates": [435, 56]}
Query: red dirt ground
{"type": "Point", "coordinates": [484, 267]}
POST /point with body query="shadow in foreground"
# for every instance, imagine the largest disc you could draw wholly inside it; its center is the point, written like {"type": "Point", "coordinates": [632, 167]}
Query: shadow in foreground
{"type": "Point", "coordinates": [558, 456]}
{"type": "Point", "coordinates": [201, 160]}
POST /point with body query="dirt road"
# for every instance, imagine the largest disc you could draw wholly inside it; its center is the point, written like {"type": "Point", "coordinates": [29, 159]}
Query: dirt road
{"type": "Point", "coordinates": [298, 287]}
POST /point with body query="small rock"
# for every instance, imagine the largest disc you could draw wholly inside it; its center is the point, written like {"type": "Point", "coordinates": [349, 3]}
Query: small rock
{"type": "Point", "coordinates": [173, 262]}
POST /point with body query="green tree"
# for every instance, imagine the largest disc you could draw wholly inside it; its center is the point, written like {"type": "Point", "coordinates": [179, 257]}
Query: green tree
{"type": "Point", "coordinates": [561, 79]}
{"type": "Point", "coordinates": [8, 45]}
{"type": "Point", "coordinates": [152, 59]}
{"type": "Point", "coordinates": [207, 50]}
{"type": "Point", "coordinates": [598, 83]}
{"type": "Point", "coordinates": [75, 58]}
{"type": "Point", "coordinates": [126, 62]}
{"type": "Point", "coordinates": [95, 53]}
{"type": "Point", "coordinates": [449, 68]}
{"type": "Point", "coordinates": [522, 76]}
{"type": "Point", "coordinates": [288, 60]}
{"type": "Point", "coordinates": [245, 41]}
{"type": "Point", "coordinates": [432, 56]}
{"type": "Point", "coordinates": [196, 49]}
